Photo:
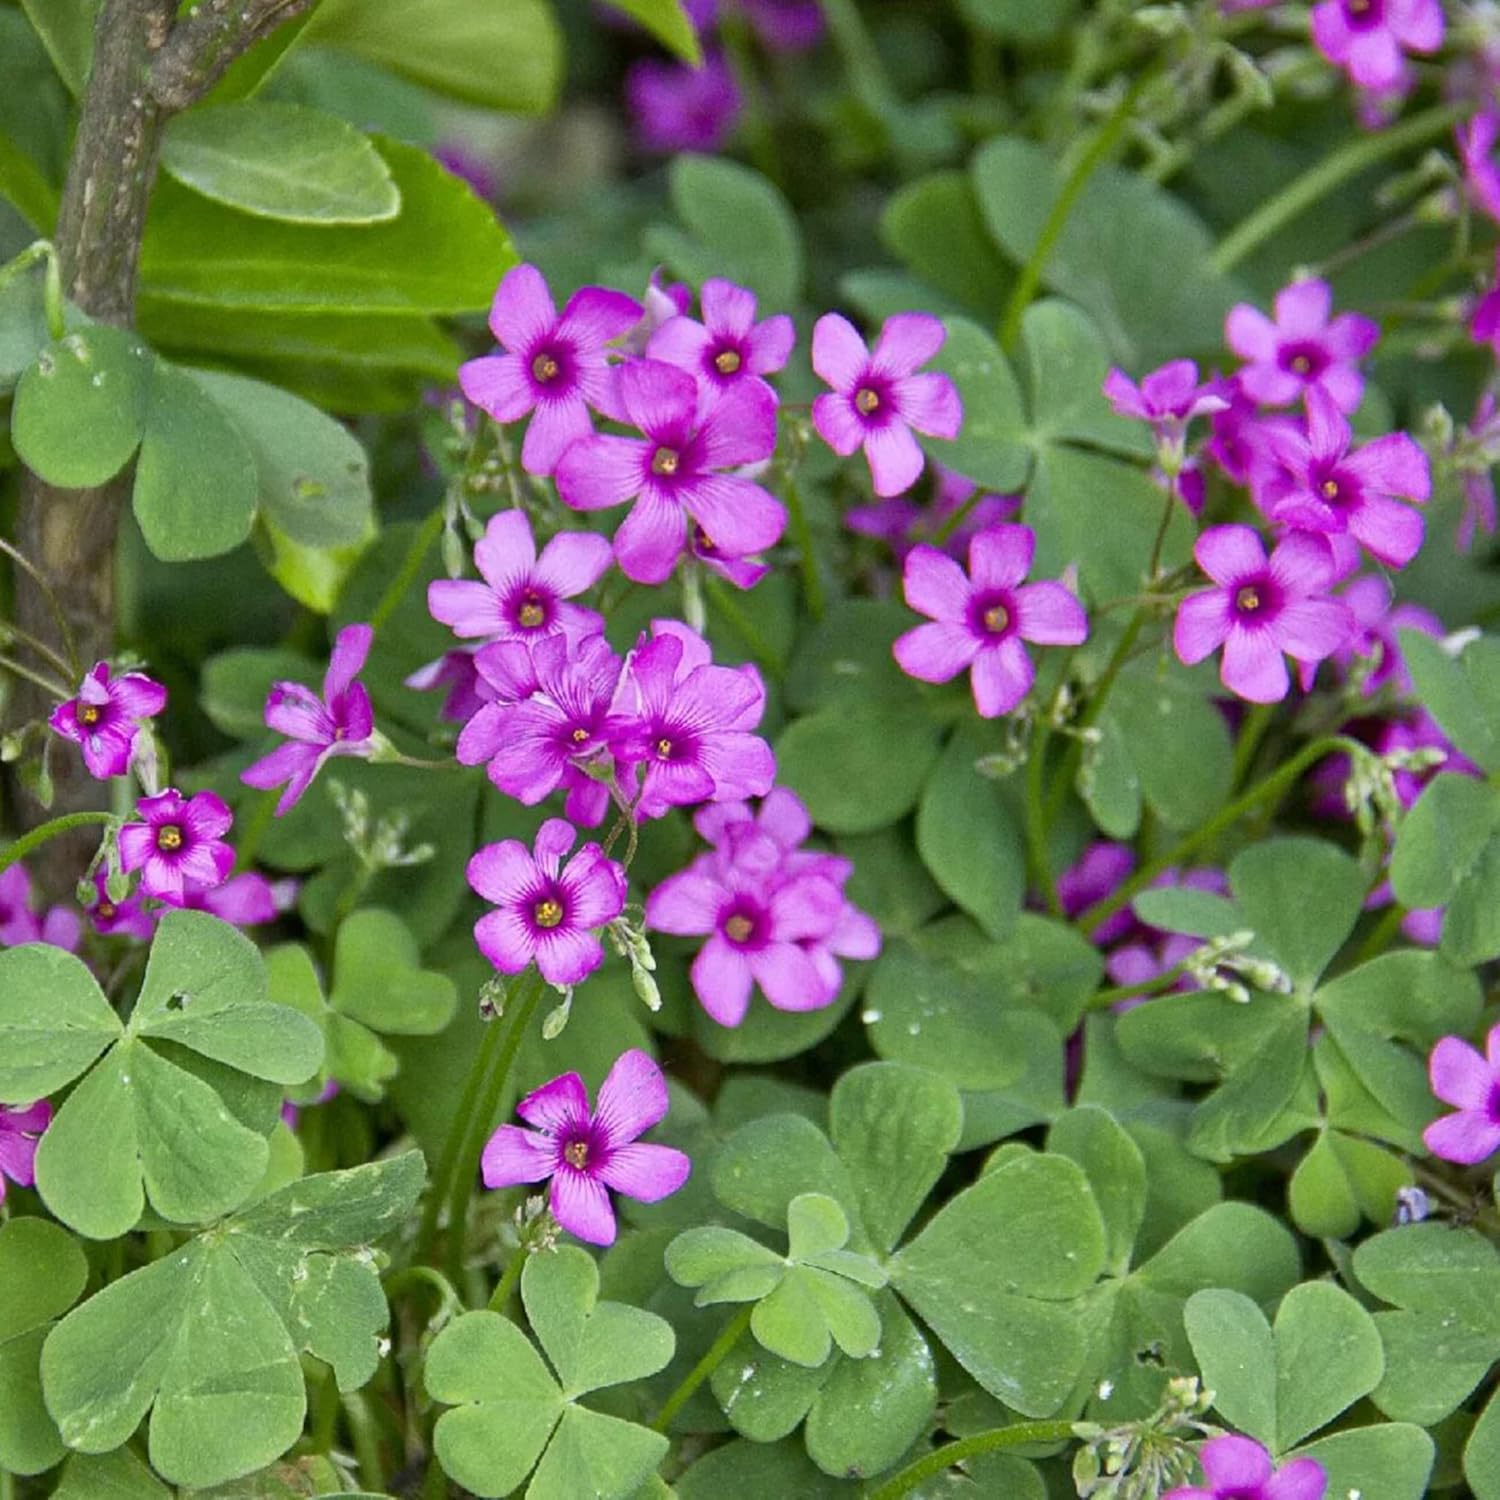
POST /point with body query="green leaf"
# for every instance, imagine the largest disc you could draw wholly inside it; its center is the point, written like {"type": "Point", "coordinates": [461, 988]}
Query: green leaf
{"type": "Point", "coordinates": [66, 28]}
{"type": "Point", "coordinates": [991, 446]}
{"type": "Point", "coordinates": [207, 1339]}
{"type": "Point", "coordinates": [744, 1470]}
{"type": "Point", "coordinates": [933, 226]}
{"type": "Point", "coordinates": [668, 23]}
{"type": "Point", "coordinates": [1340, 1180]}
{"type": "Point", "coordinates": [233, 686]}
{"type": "Point", "coordinates": [198, 251]}
{"type": "Point", "coordinates": [1237, 1357]}
{"type": "Point", "coordinates": [54, 1021]}
{"type": "Point", "coordinates": [1229, 1245]}
{"type": "Point", "coordinates": [80, 409]}
{"type": "Point", "coordinates": [1434, 1268]}
{"type": "Point", "coordinates": [1328, 1355]}
{"type": "Point", "coordinates": [281, 161]}
{"type": "Point", "coordinates": [1482, 1453]}
{"type": "Point", "coordinates": [1432, 1362]}
{"type": "Point", "coordinates": [767, 1163]}
{"type": "Point", "coordinates": [23, 184]}
{"type": "Point", "coordinates": [195, 480]}
{"type": "Point", "coordinates": [1462, 693]}
{"type": "Point", "coordinates": [313, 476]}
{"type": "Point", "coordinates": [595, 1454]}
{"type": "Point", "coordinates": [1116, 1172]}
{"type": "Point", "coordinates": [765, 1397]}
{"type": "Point", "coordinates": [1393, 1461]}
{"type": "Point", "coordinates": [23, 318]}
{"type": "Point", "coordinates": [378, 978]}
{"type": "Point", "coordinates": [969, 840]}
{"type": "Point", "coordinates": [858, 768]}
{"type": "Point", "coordinates": [111, 1476]}
{"type": "Point", "coordinates": [1018, 20]}
{"type": "Point", "coordinates": [507, 57]}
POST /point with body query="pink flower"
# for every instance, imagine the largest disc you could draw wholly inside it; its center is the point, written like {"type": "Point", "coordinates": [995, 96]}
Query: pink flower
{"type": "Point", "coordinates": [981, 620]}
{"type": "Point", "coordinates": [690, 724]}
{"type": "Point", "coordinates": [1238, 1468]}
{"type": "Point", "coordinates": [1484, 319]}
{"type": "Point", "coordinates": [247, 899]}
{"type": "Point", "coordinates": [338, 723]}
{"type": "Point", "coordinates": [1168, 398]}
{"type": "Point", "coordinates": [661, 303]}
{"type": "Point", "coordinates": [1476, 147]}
{"type": "Point", "coordinates": [903, 523]}
{"type": "Point", "coordinates": [1324, 484]}
{"type": "Point", "coordinates": [728, 346]}
{"type": "Point", "coordinates": [1368, 39]}
{"type": "Point", "coordinates": [785, 25]}
{"type": "Point", "coordinates": [678, 108]}
{"type": "Point", "coordinates": [586, 1153]}
{"type": "Point", "coordinates": [177, 842]}
{"type": "Point", "coordinates": [878, 400]}
{"type": "Point", "coordinates": [105, 716]}
{"type": "Point", "coordinates": [1261, 609]}
{"type": "Point", "coordinates": [523, 597]}
{"type": "Point", "coordinates": [676, 472]}
{"type": "Point", "coordinates": [454, 670]}
{"type": "Point", "coordinates": [1099, 871]}
{"type": "Point", "coordinates": [21, 1127]}
{"type": "Point", "coordinates": [1461, 1077]}
{"type": "Point", "coordinates": [1475, 481]}
{"type": "Point", "coordinates": [1376, 638]}
{"type": "Point", "coordinates": [1302, 347]}
{"type": "Point", "coordinates": [547, 912]}
{"type": "Point", "coordinates": [19, 923]}
{"type": "Point", "coordinates": [126, 917]}
{"type": "Point", "coordinates": [554, 367]}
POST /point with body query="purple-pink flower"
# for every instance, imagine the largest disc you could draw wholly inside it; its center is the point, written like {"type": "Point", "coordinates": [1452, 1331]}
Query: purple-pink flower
{"type": "Point", "coordinates": [1097, 873]}
{"type": "Point", "coordinates": [20, 923]}
{"type": "Point", "coordinates": [105, 716]}
{"type": "Point", "coordinates": [1484, 318]}
{"type": "Point", "coordinates": [878, 400]}
{"type": "Point", "coordinates": [554, 367]}
{"type": "Point", "coordinates": [676, 473]}
{"type": "Point", "coordinates": [690, 724]}
{"type": "Point", "coordinates": [523, 596]}
{"type": "Point", "coordinates": [728, 346]}
{"type": "Point", "coordinates": [1476, 149]}
{"type": "Point", "coordinates": [679, 108]}
{"type": "Point", "coordinates": [1261, 609]}
{"type": "Point", "coordinates": [1462, 1078]}
{"type": "Point", "coordinates": [247, 899]}
{"type": "Point", "coordinates": [904, 524]}
{"type": "Point", "coordinates": [587, 1152]}
{"type": "Point", "coordinates": [980, 621]}
{"type": "Point", "coordinates": [1369, 39]}
{"type": "Point", "coordinates": [547, 911]}
{"type": "Point", "coordinates": [785, 25]}
{"type": "Point", "coordinates": [339, 723]}
{"type": "Point", "coordinates": [124, 918]}
{"type": "Point", "coordinates": [21, 1128]}
{"type": "Point", "coordinates": [1302, 348]}
{"type": "Point", "coordinates": [456, 671]}
{"type": "Point", "coordinates": [178, 841]}
{"type": "Point", "coordinates": [1238, 1468]}
{"type": "Point", "coordinates": [1378, 623]}
{"type": "Point", "coordinates": [1168, 398]}
{"type": "Point", "coordinates": [1323, 483]}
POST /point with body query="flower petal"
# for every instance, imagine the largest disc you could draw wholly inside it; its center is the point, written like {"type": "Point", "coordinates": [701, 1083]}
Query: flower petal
{"type": "Point", "coordinates": [1049, 614]}
{"type": "Point", "coordinates": [658, 398]}
{"type": "Point", "coordinates": [1459, 1075]}
{"type": "Point", "coordinates": [1310, 629]}
{"type": "Point", "coordinates": [930, 402]}
{"type": "Point", "coordinates": [559, 1105]}
{"type": "Point", "coordinates": [740, 429]}
{"type": "Point", "coordinates": [839, 355]}
{"type": "Point", "coordinates": [470, 610]}
{"type": "Point", "coordinates": [1301, 1479]}
{"type": "Point", "coordinates": [523, 311]}
{"type": "Point", "coordinates": [507, 550]}
{"type": "Point", "coordinates": [895, 458]}
{"type": "Point", "coordinates": [788, 978]}
{"type": "Point", "coordinates": [1253, 666]}
{"type": "Point", "coordinates": [572, 562]}
{"type": "Point", "coordinates": [739, 517]}
{"type": "Point", "coordinates": [556, 424]}
{"type": "Point", "coordinates": [595, 315]}
{"type": "Point", "coordinates": [722, 981]}
{"type": "Point", "coordinates": [651, 538]}
{"type": "Point", "coordinates": [498, 384]}
{"type": "Point", "coordinates": [513, 1155]}
{"type": "Point", "coordinates": [1230, 553]}
{"type": "Point", "coordinates": [1302, 308]}
{"type": "Point", "coordinates": [505, 939]}
{"type": "Point", "coordinates": [935, 585]}
{"type": "Point", "coordinates": [502, 872]}
{"type": "Point", "coordinates": [581, 1205]}
{"type": "Point", "coordinates": [601, 471]}
{"type": "Point", "coordinates": [838, 423]}
{"type": "Point", "coordinates": [687, 904]}
{"type": "Point", "coordinates": [1234, 1462]}
{"type": "Point", "coordinates": [907, 341]}
{"type": "Point", "coordinates": [937, 652]}
{"type": "Point", "coordinates": [645, 1172]}
{"type": "Point", "coordinates": [632, 1098]}
{"type": "Point", "coordinates": [1394, 465]}
{"type": "Point", "coordinates": [1000, 556]}
{"type": "Point", "coordinates": [566, 955]}
{"type": "Point", "coordinates": [1002, 675]}
{"type": "Point", "coordinates": [1467, 1137]}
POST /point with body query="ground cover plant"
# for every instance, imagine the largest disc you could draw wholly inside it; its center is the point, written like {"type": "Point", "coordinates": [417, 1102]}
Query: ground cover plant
{"type": "Point", "coordinates": [750, 749]}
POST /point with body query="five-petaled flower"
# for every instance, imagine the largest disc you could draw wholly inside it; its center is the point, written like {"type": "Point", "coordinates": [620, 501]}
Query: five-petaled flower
{"type": "Point", "coordinates": [1369, 39]}
{"type": "Point", "coordinates": [523, 596]}
{"type": "Point", "coordinates": [1168, 398]}
{"type": "Point", "coordinates": [586, 1153]}
{"type": "Point", "coordinates": [1461, 1077]}
{"type": "Point", "coordinates": [548, 912]}
{"type": "Point", "coordinates": [728, 346]}
{"type": "Point", "coordinates": [21, 1127]}
{"type": "Point", "coordinates": [1302, 348]}
{"type": "Point", "coordinates": [676, 473]}
{"type": "Point", "coordinates": [105, 717]}
{"type": "Point", "coordinates": [1238, 1468]}
{"type": "Point", "coordinates": [338, 723]}
{"type": "Point", "coordinates": [981, 621]}
{"type": "Point", "coordinates": [1260, 609]}
{"type": "Point", "coordinates": [879, 399]}
{"type": "Point", "coordinates": [554, 367]}
{"type": "Point", "coordinates": [178, 841]}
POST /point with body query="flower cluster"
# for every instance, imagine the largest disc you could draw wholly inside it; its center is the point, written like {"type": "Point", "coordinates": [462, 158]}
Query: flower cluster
{"type": "Point", "coordinates": [775, 914]}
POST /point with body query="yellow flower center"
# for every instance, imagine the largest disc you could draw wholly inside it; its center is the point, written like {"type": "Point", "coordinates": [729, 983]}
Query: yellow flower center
{"type": "Point", "coordinates": [531, 614]}
{"type": "Point", "coordinates": [548, 913]}
{"type": "Point", "coordinates": [727, 361]}
{"type": "Point", "coordinates": [665, 461]}
{"type": "Point", "coordinates": [738, 928]}
{"type": "Point", "coordinates": [1247, 599]}
{"type": "Point", "coordinates": [1330, 488]}
{"type": "Point", "coordinates": [1300, 362]}
{"type": "Point", "coordinates": [544, 368]}
{"type": "Point", "coordinates": [576, 1154]}
{"type": "Point", "coordinates": [664, 748]}
{"type": "Point", "coordinates": [88, 714]}
{"type": "Point", "coordinates": [866, 400]}
{"type": "Point", "coordinates": [169, 837]}
{"type": "Point", "coordinates": [105, 909]}
{"type": "Point", "coordinates": [996, 618]}
{"type": "Point", "coordinates": [579, 736]}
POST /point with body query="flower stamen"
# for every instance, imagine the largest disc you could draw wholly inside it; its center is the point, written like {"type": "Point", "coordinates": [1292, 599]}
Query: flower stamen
{"type": "Point", "coordinates": [866, 400]}
{"type": "Point", "coordinates": [545, 368]}
{"type": "Point", "coordinates": [727, 361]}
{"type": "Point", "coordinates": [548, 913]}
{"type": "Point", "coordinates": [169, 837]}
{"type": "Point", "coordinates": [665, 461]}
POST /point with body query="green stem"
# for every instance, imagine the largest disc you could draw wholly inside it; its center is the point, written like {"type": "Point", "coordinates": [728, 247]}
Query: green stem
{"type": "Point", "coordinates": [48, 685]}
{"type": "Point", "coordinates": [1314, 185]}
{"type": "Point", "coordinates": [396, 758]}
{"type": "Point", "coordinates": [1382, 934]}
{"type": "Point", "coordinates": [1104, 999]}
{"type": "Point", "coordinates": [466, 1170]}
{"type": "Point", "coordinates": [1161, 531]}
{"type": "Point", "coordinates": [1036, 816]}
{"type": "Point", "coordinates": [55, 663]}
{"type": "Point", "coordinates": [21, 847]}
{"type": "Point", "coordinates": [43, 587]}
{"type": "Point", "coordinates": [500, 1297]}
{"type": "Point", "coordinates": [411, 565]}
{"type": "Point", "coordinates": [1252, 732]}
{"type": "Point", "coordinates": [366, 1442]}
{"type": "Point", "coordinates": [812, 584]}
{"type": "Point", "coordinates": [716, 1353]}
{"type": "Point", "coordinates": [1103, 147]}
{"type": "Point", "coordinates": [7, 1485]}
{"type": "Point", "coordinates": [256, 826]}
{"type": "Point", "coordinates": [722, 598]}
{"type": "Point", "coordinates": [1278, 782]}
{"type": "Point", "coordinates": [1018, 1434]}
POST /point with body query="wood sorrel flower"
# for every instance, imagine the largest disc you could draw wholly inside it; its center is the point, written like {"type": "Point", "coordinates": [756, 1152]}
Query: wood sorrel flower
{"type": "Point", "coordinates": [1322, 483]}
{"type": "Point", "coordinates": [21, 1127]}
{"type": "Point", "coordinates": [126, 917]}
{"type": "Point", "coordinates": [338, 723]}
{"type": "Point", "coordinates": [1260, 609]}
{"type": "Point", "coordinates": [1168, 398]}
{"type": "Point", "coordinates": [904, 524]}
{"type": "Point", "coordinates": [1302, 348]}
{"type": "Point", "coordinates": [587, 1152]}
{"type": "Point", "coordinates": [554, 367]}
{"type": "Point", "coordinates": [21, 923]}
{"type": "Point", "coordinates": [676, 471]}
{"type": "Point", "coordinates": [981, 620]}
{"type": "Point", "coordinates": [1476, 146]}
{"type": "Point", "coordinates": [728, 346]}
{"type": "Point", "coordinates": [523, 596]}
{"type": "Point", "coordinates": [1238, 1468]}
{"type": "Point", "coordinates": [548, 911]}
{"type": "Point", "coordinates": [879, 399]}
{"type": "Point", "coordinates": [104, 718]}
{"type": "Point", "coordinates": [1460, 1076]}
{"type": "Point", "coordinates": [1368, 39]}
{"type": "Point", "coordinates": [680, 108]}
{"type": "Point", "coordinates": [178, 841]}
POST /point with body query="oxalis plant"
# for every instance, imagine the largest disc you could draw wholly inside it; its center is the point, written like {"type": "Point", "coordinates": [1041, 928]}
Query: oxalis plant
{"type": "Point", "coordinates": [818, 819]}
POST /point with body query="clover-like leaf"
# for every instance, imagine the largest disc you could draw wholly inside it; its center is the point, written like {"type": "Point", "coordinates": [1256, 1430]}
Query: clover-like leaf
{"type": "Point", "coordinates": [207, 1339]}
{"type": "Point", "coordinates": [379, 986]}
{"type": "Point", "coordinates": [510, 1414]}
{"type": "Point", "coordinates": [156, 1113]}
